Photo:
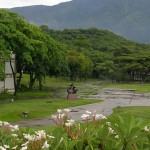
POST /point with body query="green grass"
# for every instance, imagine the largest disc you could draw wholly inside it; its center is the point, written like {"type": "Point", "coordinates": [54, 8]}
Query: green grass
{"type": "Point", "coordinates": [145, 88]}
{"type": "Point", "coordinates": [137, 111]}
{"type": "Point", "coordinates": [37, 108]}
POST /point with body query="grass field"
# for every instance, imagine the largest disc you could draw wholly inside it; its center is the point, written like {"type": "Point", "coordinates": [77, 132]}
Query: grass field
{"type": "Point", "coordinates": [37, 108]}
{"type": "Point", "coordinates": [137, 111]}
{"type": "Point", "coordinates": [145, 88]}
{"type": "Point", "coordinates": [53, 96]}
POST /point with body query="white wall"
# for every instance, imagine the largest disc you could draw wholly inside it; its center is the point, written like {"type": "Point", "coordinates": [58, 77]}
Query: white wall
{"type": "Point", "coordinates": [1, 86]}
{"type": "Point", "coordinates": [8, 84]}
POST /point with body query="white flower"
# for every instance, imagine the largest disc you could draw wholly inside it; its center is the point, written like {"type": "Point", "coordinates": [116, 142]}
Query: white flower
{"type": "Point", "coordinates": [111, 130]}
{"type": "Point", "coordinates": [6, 146]}
{"type": "Point", "coordinates": [46, 145]}
{"type": "Point", "coordinates": [146, 129]}
{"type": "Point", "coordinates": [6, 123]}
{"type": "Point", "coordinates": [117, 137]}
{"type": "Point", "coordinates": [88, 112]}
{"type": "Point", "coordinates": [54, 116]}
{"type": "Point", "coordinates": [59, 110]}
{"type": "Point", "coordinates": [41, 134]}
{"type": "Point", "coordinates": [28, 137]}
{"type": "Point", "coordinates": [108, 123]}
{"type": "Point", "coordinates": [16, 127]}
{"type": "Point", "coordinates": [67, 110]}
{"type": "Point", "coordinates": [14, 135]}
{"type": "Point", "coordinates": [24, 148]}
{"type": "Point", "coordinates": [68, 124]}
{"type": "Point", "coordinates": [50, 136]}
{"type": "Point", "coordinates": [25, 144]}
{"type": "Point", "coordinates": [100, 116]}
{"type": "Point", "coordinates": [85, 116]}
{"type": "Point", "coordinates": [2, 148]}
{"type": "Point", "coordinates": [15, 147]}
{"type": "Point", "coordinates": [70, 120]}
{"type": "Point", "coordinates": [1, 123]}
{"type": "Point", "coordinates": [61, 115]}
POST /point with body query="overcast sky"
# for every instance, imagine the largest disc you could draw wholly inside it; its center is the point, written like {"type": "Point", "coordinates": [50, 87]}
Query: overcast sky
{"type": "Point", "coordinates": [19, 3]}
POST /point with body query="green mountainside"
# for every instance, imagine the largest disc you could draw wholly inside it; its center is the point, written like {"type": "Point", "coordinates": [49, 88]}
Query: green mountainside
{"type": "Point", "coordinates": [112, 56]}
{"type": "Point", "coordinates": [129, 18]}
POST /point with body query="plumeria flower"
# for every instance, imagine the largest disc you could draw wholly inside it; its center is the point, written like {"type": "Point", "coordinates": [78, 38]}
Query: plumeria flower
{"type": "Point", "coordinates": [85, 116]}
{"type": "Point", "coordinates": [46, 145]}
{"type": "Point", "coordinates": [88, 112]}
{"type": "Point", "coordinates": [16, 127]}
{"type": "Point", "coordinates": [117, 137]}
{"type": "Point", "coordinates": [71, 120]}
{"type": "Point", "coordinates": [24, 148]}
{"type": "Point", "coordinates": [5, 123]}
{"type": "Point", "coordinates": [15, 147]}
{"type": "Point", "coordinates": [61, 115]}
{"type": "Point", "coordinates": [25, 144]}
{"type": "Point", "coordinates": [28, 137]}
{"type": "Point", "coordinates": [50, 136]}
{"type": "Point", "coordinates": [6, 146]}
{"type": "Point", "coordinates": [41, 134]}
{"type": "Point", "coordinates": [59, 110]}
{"type": "Point", "coordinates": [54, 116]}
{"type": "Point", "coordinates": [108, 123]}
{"type": "Point", "coordinates": [111, 130]}
{"type": "Point", "coordinates": [100, 116]}
{"type": "Point", "coordinates": [67, 110]}
{"type": "Point", "coordinates": [14, 135]}
{"type": "Point", "coordinates": [2, 148]}
{"type": "Point", "coordinates": [68, 124]}
{"type": "Point", "coordinates": [146, 129]}
{"type": "Point", "coordinates": [1, 123]}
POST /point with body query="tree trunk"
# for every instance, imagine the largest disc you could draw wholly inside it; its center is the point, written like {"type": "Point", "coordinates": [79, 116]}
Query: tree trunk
{"type": "Point", "coordinates": [40, 85]}
{"type": "Point", "coordinates": [14, 78]}
{"type": "Point", "coordinates": [32, 81]}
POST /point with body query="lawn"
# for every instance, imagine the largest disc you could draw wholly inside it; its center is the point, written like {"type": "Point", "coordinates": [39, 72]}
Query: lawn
{"type": "Point", "coordinates": [145, 88]}
{"type": "Point", "coordinates": [37, 108]}
{"type": "Point", "coordinates": [137, 111]}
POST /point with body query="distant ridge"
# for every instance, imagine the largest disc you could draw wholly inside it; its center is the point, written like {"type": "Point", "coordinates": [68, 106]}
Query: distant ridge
{"type": "Point", "coordinates": [129, 18]}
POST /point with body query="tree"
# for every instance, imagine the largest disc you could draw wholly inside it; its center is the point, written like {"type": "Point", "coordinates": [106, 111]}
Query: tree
{"type": "Point", "coordinates": [79, 65]}
{"type": "Point", "coordinates": [36, 53]}
{"type": "Point", "coordinates": [4, 55]}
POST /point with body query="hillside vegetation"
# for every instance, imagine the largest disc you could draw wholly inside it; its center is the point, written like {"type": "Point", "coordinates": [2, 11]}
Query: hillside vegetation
{"type": "Point", "coordinates": [112, 56]}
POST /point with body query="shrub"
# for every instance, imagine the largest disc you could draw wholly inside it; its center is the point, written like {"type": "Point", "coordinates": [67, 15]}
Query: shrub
{"type": "Point", "coordinates": [94, 132]}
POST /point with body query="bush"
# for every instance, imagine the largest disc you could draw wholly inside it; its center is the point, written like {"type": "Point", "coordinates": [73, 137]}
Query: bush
{"type": "Point", "coordinates": [96, 132]}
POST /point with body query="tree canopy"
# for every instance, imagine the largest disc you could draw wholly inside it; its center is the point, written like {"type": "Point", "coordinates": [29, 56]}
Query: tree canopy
{"type": "Point", "coordinates": [112, 56]}
{"type": "Point", "coordinates": [36, 53]}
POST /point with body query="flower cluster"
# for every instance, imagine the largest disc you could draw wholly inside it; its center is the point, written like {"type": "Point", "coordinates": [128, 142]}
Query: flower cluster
{"type": "Point", "coordinates": [61, 116]}
{"type": "Point", "coordinates": [96, 132]}
{"type": "Point", "coordinates": [92, 116]}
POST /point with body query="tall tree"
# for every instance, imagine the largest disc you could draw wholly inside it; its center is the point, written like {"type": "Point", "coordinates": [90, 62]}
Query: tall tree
{"type": "Point", "coordinates": [36, 53]}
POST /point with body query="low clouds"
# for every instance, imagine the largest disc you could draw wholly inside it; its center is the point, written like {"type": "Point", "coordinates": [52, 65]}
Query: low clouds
{"type": "Point", "coordinates": [19, 3]}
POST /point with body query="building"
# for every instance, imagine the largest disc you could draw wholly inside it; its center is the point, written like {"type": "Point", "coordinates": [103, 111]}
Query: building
{"type": "Point", "coordinates": [7, 84]}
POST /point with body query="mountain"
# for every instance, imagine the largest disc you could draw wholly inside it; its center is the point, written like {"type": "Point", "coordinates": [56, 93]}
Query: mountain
{"type": "Point", "coordinates": [128, 18]}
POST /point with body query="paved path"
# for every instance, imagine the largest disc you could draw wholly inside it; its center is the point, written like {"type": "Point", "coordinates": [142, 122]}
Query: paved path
{"type": "Point", "coordinates": [112, 99]}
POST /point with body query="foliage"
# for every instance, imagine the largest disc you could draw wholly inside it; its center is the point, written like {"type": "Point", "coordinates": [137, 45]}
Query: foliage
{"type": "Point", "coordinates": [100, 134]}
{"type": "Point", "coordinates": [36, 53]}
{"type": "Point", "coordinates": [114, 57]}
{"type": "Point", "coordinates": [4, 56]}
{"type": "Point", "coordinates": [79, 65]}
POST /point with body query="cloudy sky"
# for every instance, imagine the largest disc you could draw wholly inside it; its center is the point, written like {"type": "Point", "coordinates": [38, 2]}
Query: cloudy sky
{"type": "Point", "coordinates": [19, 3]}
